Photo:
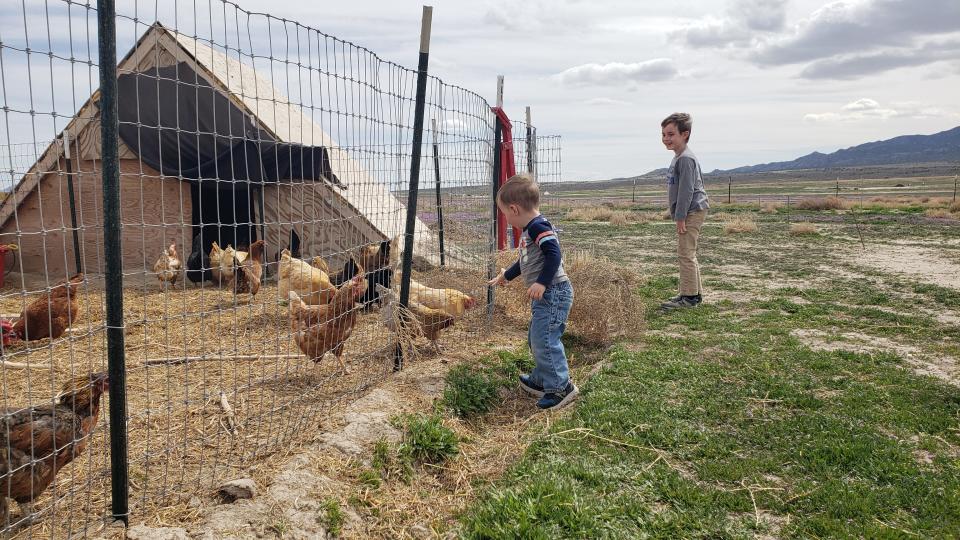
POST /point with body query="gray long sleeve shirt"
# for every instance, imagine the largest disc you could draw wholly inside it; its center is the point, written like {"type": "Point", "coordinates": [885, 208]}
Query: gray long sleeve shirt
{"type": "Point", "coordinates": [685, 186]}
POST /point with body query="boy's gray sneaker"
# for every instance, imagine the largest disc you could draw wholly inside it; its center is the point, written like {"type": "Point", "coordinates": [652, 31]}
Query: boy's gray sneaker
{"type": "Point", "coordinates": [530, 387]}
{"type": "Point", "coordinates": [552, 401]}
{"type": "Point", "coordinates": [680, 302]}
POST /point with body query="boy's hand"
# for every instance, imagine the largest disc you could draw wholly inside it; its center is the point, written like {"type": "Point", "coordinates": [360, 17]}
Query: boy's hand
{"type": "Point", "coordinates": [500, 279]}
{"type": "Point", "coordinates": [682, 227]}
{"type": "Point", "coordinates": [535, 292]}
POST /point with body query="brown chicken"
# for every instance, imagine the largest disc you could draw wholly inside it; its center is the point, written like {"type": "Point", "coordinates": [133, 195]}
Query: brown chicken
{"type": "Point", "coordinates": [430, 321]}
{"type": "Point", "coordinates": [326, 327]}
{"type": "Point", "coordinates": [168, 266]}
{"type": "Point", "coordinates": [37, 442]}
{"type": "Point", "coordinates": [246, 278]}
{"type": "Point", "coordinates": [50, 315]}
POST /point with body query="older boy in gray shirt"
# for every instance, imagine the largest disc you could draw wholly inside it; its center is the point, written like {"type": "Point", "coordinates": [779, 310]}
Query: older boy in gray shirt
{"type": "Point", "coordinates": [688, 207]}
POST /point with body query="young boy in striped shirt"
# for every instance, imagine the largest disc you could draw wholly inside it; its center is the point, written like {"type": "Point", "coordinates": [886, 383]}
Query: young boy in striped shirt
{"type": "Point", "coordinates": [549, 289]}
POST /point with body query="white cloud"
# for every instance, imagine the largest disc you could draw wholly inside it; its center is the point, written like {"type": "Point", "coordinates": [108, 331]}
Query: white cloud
{"type": "Point", "coordinates": [743, 24]}
{"type": "Point", "coordinates": [857, 27]}
{"type": "Point", "coordinates": [867, 109]}
{"type": "Point", "coordinates": [607, 102]}
{"type": "Point", "coordinates": [618, 73]}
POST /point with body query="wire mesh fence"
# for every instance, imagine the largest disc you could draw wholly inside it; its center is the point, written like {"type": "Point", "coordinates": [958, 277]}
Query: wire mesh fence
{"type": "Point", "coordinates": [265, 173]}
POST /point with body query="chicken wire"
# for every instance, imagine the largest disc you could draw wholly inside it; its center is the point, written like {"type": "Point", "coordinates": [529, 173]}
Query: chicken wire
{"type": "Point", "coordinates": [216, 383]}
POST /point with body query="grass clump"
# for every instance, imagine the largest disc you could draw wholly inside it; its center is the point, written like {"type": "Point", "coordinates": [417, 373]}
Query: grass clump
{"type": "Point", "coordinates": [427, 440]}
{"type": "Point", "coordinates": [333, 516]}
{"type": "Point", "coordinates": [771, 207]}
{"type": "Point", "coordinates": [590, 213]}
{"type": "Point", "coordinates": [474, 389]}
{"type": "Point", "coordinates": [823, 203]}
{"type": "Point", "coordinates": [938, 213]}
{"type": "Point", "coordinates": [471, 390]}
{"type": "Point", "coordinates": [740, 225]}
{"type": "Point", "coordinates": [955, 207]}
{"type": "Point", "coordinates": [803, 229]}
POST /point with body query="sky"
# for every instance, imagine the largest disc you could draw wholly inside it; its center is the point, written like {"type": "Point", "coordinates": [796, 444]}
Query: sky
{"type": "Point", "coordinates": [765, 80]}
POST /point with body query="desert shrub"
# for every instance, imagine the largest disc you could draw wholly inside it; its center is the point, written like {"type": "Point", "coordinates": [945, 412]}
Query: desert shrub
{"type": "Point", "coordinates": [955, 206]}
{"type": "Point", "coordinates": [739, 225]}
{"type": "Point", "coordinates": [938, 213]}
{"type": "Point", "coordinates": [620, 219]}
{"type": "Point", "coordinates": [771, 207]}
{"type": "Point", "coordinates": [823, 203]}
{"type": "Point", "coordinates": [590, 213]}
{"type": "Point", "coordinates": [803, 229]}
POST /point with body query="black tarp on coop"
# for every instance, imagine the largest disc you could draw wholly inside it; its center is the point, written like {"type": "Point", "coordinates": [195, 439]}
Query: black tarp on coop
{"type": "Point", "coordinates": [182, 126]}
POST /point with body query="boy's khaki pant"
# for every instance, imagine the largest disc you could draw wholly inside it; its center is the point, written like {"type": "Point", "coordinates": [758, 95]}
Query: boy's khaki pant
{"type": "Point", "coordinates": [690, 284]}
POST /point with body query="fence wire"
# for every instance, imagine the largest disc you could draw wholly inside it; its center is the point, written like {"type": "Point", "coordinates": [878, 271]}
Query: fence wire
{"type": "Point", "coordinates": [257, 154]}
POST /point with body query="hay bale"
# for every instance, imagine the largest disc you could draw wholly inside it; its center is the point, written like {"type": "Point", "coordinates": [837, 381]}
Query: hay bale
{"type": "Point", "coordinates": [605, 306]}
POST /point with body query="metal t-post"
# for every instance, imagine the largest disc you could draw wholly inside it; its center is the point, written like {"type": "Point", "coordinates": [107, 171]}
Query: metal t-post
{"type": "Point", "coordinates": [113, 278]}
{"type": "Point", "coordinates": [412, 193]}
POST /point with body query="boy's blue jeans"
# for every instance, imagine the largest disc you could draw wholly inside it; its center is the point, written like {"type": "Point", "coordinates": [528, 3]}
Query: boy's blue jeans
{"type": "Point", "coordinates": [547, 324]}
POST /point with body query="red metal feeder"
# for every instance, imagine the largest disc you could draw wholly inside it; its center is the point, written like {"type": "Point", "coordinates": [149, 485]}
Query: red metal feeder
{"type": "Point", "coordinates": [4, 249]}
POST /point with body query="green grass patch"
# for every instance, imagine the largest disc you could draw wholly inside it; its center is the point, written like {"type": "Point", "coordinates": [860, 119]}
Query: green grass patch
{"type": "Point", "coordinates": [739, 430]}
{"type": "Point", "coordinates": [427, 440]}
{"type": "Point", "coordinates": [332, 516]}
{"type": "Point", "coordinates": [473, 389]}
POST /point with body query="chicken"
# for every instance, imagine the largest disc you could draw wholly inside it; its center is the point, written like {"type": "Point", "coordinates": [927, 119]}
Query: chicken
{"type": "Point", "coordinates": [326, 328]}
{"type": "Point", "coordinates": [450, 301]}
{"type": "Point", "coordinates": [430, 321]}
{"type": "Point", "coordinates": [50, 315]}
{"type": "Point", "coordinates": [226, 264]}
{"type": "Point", "coordinates": [37, 442]}
{"type": "Point", "coordinates": [247, 274]}
{"type": "Point", "coordinates": [312, 285]}
{"type": "Point", "coordinates": [215, 255]}
{"type": "Point", "coordinates": [320, 264]}
{"type": "Point", "coordinates": [168, 266]}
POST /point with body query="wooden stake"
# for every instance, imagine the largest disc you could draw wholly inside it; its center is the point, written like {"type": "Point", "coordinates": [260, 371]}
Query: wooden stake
{"type": "Point", "coordinates": [187, 359]}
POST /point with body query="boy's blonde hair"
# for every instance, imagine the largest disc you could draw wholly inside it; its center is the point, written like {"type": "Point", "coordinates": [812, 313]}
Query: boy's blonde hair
{"type": "Point", "coordinates": [520, 190]}
{"type": "Point", "coordinates": [683, 121]}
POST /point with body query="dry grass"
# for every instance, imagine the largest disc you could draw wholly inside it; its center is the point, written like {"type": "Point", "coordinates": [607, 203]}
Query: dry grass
{"type": "Point", "coordinates": [803, 229]}
{"type": "Point", "coordinates": [901, 202]}
{"type": "Point", "coordinates": [740, 225]}
{"type": "Point", "coordinates": [604, 306]}
{"type": "Point", "coordinates": [938, 213]}
{"type": "Point", "coordinates": [607, 213]}
{"type": "Point", "coordinates": [823, 203]}
{"type": "Point", "coordinates": [590, 213]}
{"type": "Point", "coordinates": [955, 207]}
{"type": "Point", "coordinates": [771, 207]}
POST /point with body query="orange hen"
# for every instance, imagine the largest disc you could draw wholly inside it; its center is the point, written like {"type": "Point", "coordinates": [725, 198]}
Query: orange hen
{"type": "Point", "coordinates": [50, 315]}
{"type": "Point", "coordinates": [326, 327]}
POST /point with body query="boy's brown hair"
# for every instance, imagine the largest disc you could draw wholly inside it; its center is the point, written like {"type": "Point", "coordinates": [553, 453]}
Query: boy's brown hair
{"type": "Point", "coordinates": [682, 120]}
{"type": "Point", "coordinates": [520, 190]}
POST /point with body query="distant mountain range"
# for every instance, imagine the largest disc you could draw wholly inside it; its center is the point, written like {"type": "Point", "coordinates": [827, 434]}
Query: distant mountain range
{"type": "Point", "coordinates": [939, 147]}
